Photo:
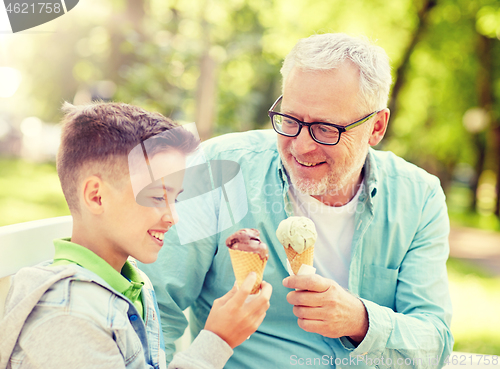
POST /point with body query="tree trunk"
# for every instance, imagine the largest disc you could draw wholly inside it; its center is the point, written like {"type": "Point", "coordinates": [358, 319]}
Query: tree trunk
{"type": "Point", "coordinates": [402, 70]}
{"type": "Point", "coordinates": [206, 88]}
{"type": "Point", "coordinates": [206, 96]}
{"type": "Point", "coordinates": [497, 156]}
{"type": "Point", "coordinates": [132, 16]}
{"type": "Point", "coordinates": [480, 144]}
{"type": "Point", "coordinates": [485, 101]}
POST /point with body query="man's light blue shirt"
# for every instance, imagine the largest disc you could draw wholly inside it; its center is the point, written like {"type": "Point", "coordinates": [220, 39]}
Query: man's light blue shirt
{"type": "Point", "coordinates": [398, 265]}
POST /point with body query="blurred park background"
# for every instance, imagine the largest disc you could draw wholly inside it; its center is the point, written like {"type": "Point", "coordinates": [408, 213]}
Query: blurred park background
{"type": "Point", "coordinates": [217, 63]}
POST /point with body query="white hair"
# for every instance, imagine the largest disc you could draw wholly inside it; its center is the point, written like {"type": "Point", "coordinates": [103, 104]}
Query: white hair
{"type": "Point", "coordinates": [330, 50]}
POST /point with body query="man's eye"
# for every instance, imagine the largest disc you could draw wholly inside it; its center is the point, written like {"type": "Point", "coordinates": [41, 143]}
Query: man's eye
{"type": "Point", "coordinates": [328, 129]}
{"type": "Point", "coordinates": [159, 199]}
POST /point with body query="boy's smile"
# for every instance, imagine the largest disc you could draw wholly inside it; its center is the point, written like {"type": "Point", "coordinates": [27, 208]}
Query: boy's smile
{"type": "Point", "coordinates": [158, 235]}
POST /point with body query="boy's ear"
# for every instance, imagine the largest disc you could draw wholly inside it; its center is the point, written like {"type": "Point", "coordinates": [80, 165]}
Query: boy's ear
{"type": "Point", "coordinates": [92, 194]}
{"type": "Point", "coordinates": [380, 126]}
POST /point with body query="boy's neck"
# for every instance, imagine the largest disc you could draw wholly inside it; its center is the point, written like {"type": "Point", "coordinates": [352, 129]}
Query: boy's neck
{"type": "Point", "coordinates": [93, 241]}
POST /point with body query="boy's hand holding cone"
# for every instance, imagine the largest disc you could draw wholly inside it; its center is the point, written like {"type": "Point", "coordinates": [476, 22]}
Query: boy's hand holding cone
{"type": "Point", "coordinates": [298, 236]}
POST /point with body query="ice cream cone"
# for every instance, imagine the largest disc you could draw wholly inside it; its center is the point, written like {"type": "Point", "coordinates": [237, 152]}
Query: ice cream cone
{"type": "Point", "coordinates": [298, 236]}
{"type": "Point", "coordinates": [245, 262]}
{"type": "Point", "coordinates": [296, 259]}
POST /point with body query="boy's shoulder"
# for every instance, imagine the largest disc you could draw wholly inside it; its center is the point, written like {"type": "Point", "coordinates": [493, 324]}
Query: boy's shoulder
{"type": "Point", "coordinates": [40, 293]}
{"type": "Point", "coordinates": [30, 284]}
{"type": "Point", "coordinates": [44, 296]}
{"type": "Point", "coordinates": [62, 285]}
{"type": "Point", "coordinates": [70, 289]}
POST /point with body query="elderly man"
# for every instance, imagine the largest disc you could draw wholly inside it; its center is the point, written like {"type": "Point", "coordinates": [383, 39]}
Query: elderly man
{"type": "Point", "coordinates": [380, 296]}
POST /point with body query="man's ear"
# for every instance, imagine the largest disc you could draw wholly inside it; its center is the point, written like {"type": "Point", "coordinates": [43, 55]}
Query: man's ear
{"type": "Point", "coordinates": [380, 126]}
{"type": "Point", "coordinates": [92, 194]}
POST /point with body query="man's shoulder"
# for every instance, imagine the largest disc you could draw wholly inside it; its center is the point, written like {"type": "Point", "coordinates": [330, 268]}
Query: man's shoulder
{"type": "Point", "coordinates": [257, 141]}
{"type": "Point", "coordinates": [396, 174]}
{"type": "Point", "coordinates": [392, 167]}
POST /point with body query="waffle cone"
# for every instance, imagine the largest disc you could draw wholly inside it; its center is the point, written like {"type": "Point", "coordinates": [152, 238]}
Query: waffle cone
{"type": "Point", "coordinates": [296, 259]}
{"type": "Point", "coordinates": [245, 262]}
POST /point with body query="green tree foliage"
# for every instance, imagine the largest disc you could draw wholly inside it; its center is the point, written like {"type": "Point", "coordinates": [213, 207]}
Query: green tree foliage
{"type": "Point", "coordinates": [174, 56]}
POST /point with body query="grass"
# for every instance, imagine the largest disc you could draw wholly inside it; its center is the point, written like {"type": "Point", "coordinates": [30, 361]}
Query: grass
{"type": "Point", "coordinates": [475, 293]}
{"type": "Point", "coordinates": [489, 222]}
{"type": "Point", "coordinates": [475, 296]}
{"type": "Point", "coordinates": [29, 191]}
{"type": "Point", "coordinates": [458, 201]}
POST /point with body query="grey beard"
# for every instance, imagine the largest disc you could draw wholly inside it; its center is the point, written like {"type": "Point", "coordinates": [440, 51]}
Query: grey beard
{"type": "Point", "coordinates": [333, 184]}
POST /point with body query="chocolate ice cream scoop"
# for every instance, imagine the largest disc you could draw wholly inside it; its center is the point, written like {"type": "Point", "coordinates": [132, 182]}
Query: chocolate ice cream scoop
{"type": "Point", "coordinates": [247, 239]}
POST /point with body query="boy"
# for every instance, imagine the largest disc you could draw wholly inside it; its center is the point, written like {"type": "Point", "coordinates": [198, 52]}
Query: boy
{"type": "Point", "coordinates": [91, 307]}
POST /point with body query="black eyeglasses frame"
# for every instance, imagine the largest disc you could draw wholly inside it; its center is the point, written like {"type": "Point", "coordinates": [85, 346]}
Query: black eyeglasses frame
{"type": "Point", "coordinates": [341, 129]}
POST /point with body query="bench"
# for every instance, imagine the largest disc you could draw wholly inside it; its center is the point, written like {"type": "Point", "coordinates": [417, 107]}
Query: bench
{"type": "Point", "coordinates": [27, 244]}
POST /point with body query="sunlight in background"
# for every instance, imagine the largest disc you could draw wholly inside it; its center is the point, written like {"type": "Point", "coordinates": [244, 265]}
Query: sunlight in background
{"type": "Point", "coordinates": [10, 80]}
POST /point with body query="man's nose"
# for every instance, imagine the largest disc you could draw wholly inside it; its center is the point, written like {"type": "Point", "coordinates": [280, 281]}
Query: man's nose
{"type": "Point", "coordinates": [304, 143]}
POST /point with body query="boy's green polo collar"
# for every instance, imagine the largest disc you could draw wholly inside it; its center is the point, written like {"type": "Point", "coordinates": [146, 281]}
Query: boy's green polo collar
{"type": "Point", "coordinates": [129, 283]}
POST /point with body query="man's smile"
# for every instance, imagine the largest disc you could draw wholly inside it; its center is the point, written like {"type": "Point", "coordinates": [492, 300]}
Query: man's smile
{"type": "Point", "coordinates": [307, 163]}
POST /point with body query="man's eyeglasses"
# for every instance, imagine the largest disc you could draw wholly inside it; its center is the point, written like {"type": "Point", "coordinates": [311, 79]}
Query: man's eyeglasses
{"type": "Point", "coordinates": [323, 133]}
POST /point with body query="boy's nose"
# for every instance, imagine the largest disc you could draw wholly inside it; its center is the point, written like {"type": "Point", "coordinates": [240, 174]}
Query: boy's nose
{"type": "Point", "coordinates": [170, 214]}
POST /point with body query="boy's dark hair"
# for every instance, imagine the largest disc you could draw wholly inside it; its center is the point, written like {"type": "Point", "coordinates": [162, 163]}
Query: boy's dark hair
{"type": "Point", "coordinates": [97, 138]}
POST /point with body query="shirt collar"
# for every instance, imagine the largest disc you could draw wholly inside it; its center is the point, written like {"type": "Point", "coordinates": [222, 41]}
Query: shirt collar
{"type": "Point", "coordinates": [371, 174]}
{"type": "Point", "coordinates": [128, 283]}
{"type": "Point", "coordinates": [282, 172]}
{"type": "Point", "coordinates": [283, 176]}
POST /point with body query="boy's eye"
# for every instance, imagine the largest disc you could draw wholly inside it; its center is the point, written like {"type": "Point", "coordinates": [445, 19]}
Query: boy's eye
{"type": "Point", "coordinates": [159, 199]}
